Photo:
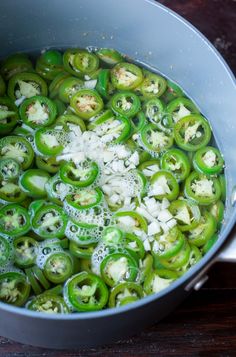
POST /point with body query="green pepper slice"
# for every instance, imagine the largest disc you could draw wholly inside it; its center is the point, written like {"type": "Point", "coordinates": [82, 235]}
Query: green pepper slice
{"type": "Point", "coordinates": [56, 83]}
{"type": "Point", "coordinates": [154, 109]}
{"type": "Point", "coordinates": [9, 169]}
{"type": "Point", "coordinates": [113, 130]}
{"type": "Point", "coordinates": [49, 64]}
{"type": "Point", "coordinates": [118, 267]}
{"type": "Point", "coordinates": [57, 189]}
{"type": "Point", "coordinates": [48, 303]}
{"type": "Point", "coordinates": [38, 111]}
{"type": "Point", "coordinates": [177, 162]}
{"type": "Point", "coordinates": [79, 251]}
{"type": "Point", "coordinates": [109, 56]}
{"type": "Point", "coordinates": [8, 115]}
{"type": "Point", "coordinates": [209, 243]}
{"type": "Point", "coordinates": [124, 293]}
{"type": "Point", "coordinates": [33, 182]}
{"type": "Point", "coordinates": [125, 103]}
{"type": "Point", "coordinates": [49, 221]}
{"type": "Point", "coordinates": [86, 292]}
{"type": "Point", "coordinates": [179, 260]}
{"type": "Point", "coordinates": [138, 122]}
{"type": "Point", "coordinates": [172, 92]}
{"type": "Point", "coordinates": [168, 244]}
{"type": "Point", "coordinates": [25, 251]}
{"type": "Point", "coordinates": [58, 267]}
{"type": "Point", "coordinates": [70, 120]}
{"type": "Point", "coordinates": [50, 141]}
{"type": "Point", "coordinates": [14, 288]}
{"type": "Point", "coordinates": [134, 244]}
{"type": "Point", "coordinates": [155, 140]}
{"type": "Point", "coordinates": [5, 251]}
{"type": "Point", "coordinates": [48, 164]}
{"type": "Point", "coordinates": [17, 148]}
{"type": "Point", "coordinates": [164, 185]}
{"type": "Point", "coordinates": [84, 198]}
{"type": "Point", "coordinates": [204, 231]}
{"type": "Point", "coordinates": [14, 220]}
{"type": "Point", "coordinates": [145, 267]}
{"type": "Point", "coordinates": [186, 213]}
{"type": "Point", "coordinates": [100, 118]}
{"type": "Point", "coordinates": [14, 64]}
{"type": "Point", "coordinates": [217, 210]}
{"type": "Point", "coordinates": [126, 76]}
{"type": "Point", "coordinates": [86, 103]}
{"type": "Point", "coordinates": [208, 161]}
{"type": "Point", "coordinates": [130, 221]}
{"type": "Point", "coordinates": [11, 192]}
{"type": "Point", "coordinates": [192, 132]}
{"type": "Point", "coordinates": [69, 87]}
{"type": "Point", "coordinates": [202, 189]}
{"type": "Point", "coordinates": [102, 85]}
{"type": "Point", "coordinates": [26, 85]}
{"type": "Point", "coordinates": [85, 62]}
{"type": "Point", "coordinates": [158, 280]}
{"type": "Point", "coordinates": [80, 175]}
{"type": "Point", "coordinates": [150, 167]}
{"type": "Point", "coordinates": [180, 108]}
{"type": "Point", "coordinates": [153, 85]}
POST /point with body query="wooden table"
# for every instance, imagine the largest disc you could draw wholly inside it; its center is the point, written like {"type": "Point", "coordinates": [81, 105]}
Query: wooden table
{"type": "Point", "coordinates": [205, 324]}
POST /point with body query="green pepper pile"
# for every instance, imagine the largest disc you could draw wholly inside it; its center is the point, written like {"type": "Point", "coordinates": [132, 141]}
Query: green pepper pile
{"type": "Point", "coordinates": [110, 188]}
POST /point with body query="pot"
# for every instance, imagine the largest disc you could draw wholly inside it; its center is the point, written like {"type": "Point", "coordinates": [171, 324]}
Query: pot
{"type": "Point", "coordinates": [156, 36]}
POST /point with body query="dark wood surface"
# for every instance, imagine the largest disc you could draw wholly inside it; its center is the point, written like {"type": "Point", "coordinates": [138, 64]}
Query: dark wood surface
{"type": "Point", "coordinates": [205, 324]}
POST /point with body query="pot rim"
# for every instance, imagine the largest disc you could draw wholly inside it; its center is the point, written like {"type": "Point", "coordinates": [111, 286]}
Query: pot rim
{"type": "Point", "coordinates": [184, 280]}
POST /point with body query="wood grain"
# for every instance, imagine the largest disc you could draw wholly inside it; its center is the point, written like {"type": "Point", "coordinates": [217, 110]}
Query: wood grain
{"type": "Point", "coordinates": [205, 324]}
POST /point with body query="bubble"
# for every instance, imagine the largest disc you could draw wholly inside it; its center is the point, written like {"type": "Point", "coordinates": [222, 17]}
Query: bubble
{"type": "Point", "coordinates": [46, 249]}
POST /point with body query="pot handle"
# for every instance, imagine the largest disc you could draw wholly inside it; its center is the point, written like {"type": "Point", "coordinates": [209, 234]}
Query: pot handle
{"type": "Point", "coordinates": [228, 253]}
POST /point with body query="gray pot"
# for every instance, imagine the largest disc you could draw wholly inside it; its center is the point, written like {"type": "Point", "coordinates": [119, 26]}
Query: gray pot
{"type": "Point", "coordinates": [149, 33]}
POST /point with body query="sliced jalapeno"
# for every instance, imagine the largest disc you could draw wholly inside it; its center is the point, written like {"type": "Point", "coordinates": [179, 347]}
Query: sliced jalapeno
{"type": "Point", "coordinates": [202, 189]}
{"type": "Point", "coordinates": [9, 169]}
{"type": "Point", "coordinates": [17, 148]}
{"type": "Point", "coordinates": [33, 182]}
{"type": "Point", "coordinates": [154, 110]}
{"type": "Point", "coordinates": [25, 251]}
{"type": "Point", "coordinates": [82, 234]}
{"type": "Point", "coordinates": [69, 87]}
{"type": "Point", "coordinates": [186, 213]}
{"type": "Point", "coordinates": [122, 292]}
{"type": "Point", "coordinates": [130, 221]}
{"type": "Point", "coordinates": [86, 103]}
{"type": "Point", "coordinates": [118, 267]}
{"type": "Point", "coordinates": [192, 132]}
{"type": "Point", "coordinates": [83, 252]}
{"type": "Point", "coordinates": [102, 85]}
{"type": "Point", "coordinates": [58, 267]}
{"type": "Point", "coordinates": [5, 251]}
{"type": "Point", "coordinates": [49, 164]}
{"type": "Point", "coordinates": [14, 220]}
{"type": "Point", "coordinates": [126, 76]}
{"type": "Point", "coordinates": [113, 130]}
{"type": "Point", "coordinates": [150, 167]}
{"type": "Point", "coordinates": [209, 243]}
{"type": "Point", "coordinates": [168, 244]}
{"type": "Point", "coordinates": [56, 83]}
{"type": "Point", "coordinates": [37, 111]}
{"type": "Point", "coordinates": [70, 119]}
{"type": "Point", "coordinates": [86, 292]}
{"type": "Point", "coordinates": [14, 288]}
{"type": "Point", "coordinates": [203, 231]}
{"type": "Point", "coordinates": [157, 281]}
{"type": "Point", "coordinates": [49, 141]}
{"type": "Point", "coordinates": [26, 85]}
{"type": "Point", "coordinates": [180, 108]}
{"type": "Point", "coordinates": [57, 189]}
{"type": "Point", "coordinates": [208, 161]}
{"type": "Point", "coordinates": [8, 115]}
{"type": "Point", "coordinates": [153, 85]}
{"type": "Point", "coordinates": [48, 303]}
{"type": "Point", "coordinates": [80, 175]}
{"type": "Point", "coordinates": [49, 221]}
{"type": "Point", "coordinates": [177, 162]}
{"type": "Point", "coordinates": [84, 198]}
{"type": "Point", "coordinates": [217, 210]}
{"type": "Point", "coordinates": [173, 91]}
{"type": "Point", "coordinates": [109, 56]}
{"type": "Point", "coordinates": [125, 103]}
{"type": "Point", "coordinates": [49, 64]}
{"type": "Point", "coordinates": [164, 185]}
{"type": "Point", "coordinates": [155, 140]}
{"type": "Point", "coordinates": [11, 192]}
{"type": "Point", "coordinates": [179, 260]}
{"type": "Point", "coordinates": [14, 64]}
